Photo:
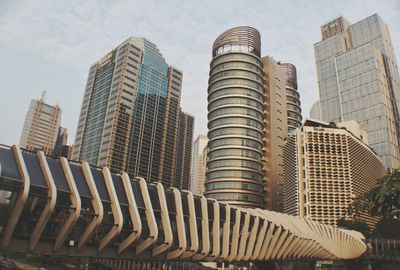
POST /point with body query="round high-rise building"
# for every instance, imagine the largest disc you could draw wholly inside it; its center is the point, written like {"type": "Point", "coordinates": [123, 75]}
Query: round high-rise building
{"type": "Point", "coordinates": [236, 119]}
{"type": "Point", "coordinates": [292, 97]}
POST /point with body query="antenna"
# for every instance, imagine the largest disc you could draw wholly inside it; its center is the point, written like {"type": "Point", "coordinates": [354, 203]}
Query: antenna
{"type": "Point", "coordinates": [43, 95]}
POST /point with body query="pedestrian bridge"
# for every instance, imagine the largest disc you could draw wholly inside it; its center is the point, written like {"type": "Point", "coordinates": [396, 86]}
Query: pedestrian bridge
{"type": "Point", "coordinates": [58, 207]}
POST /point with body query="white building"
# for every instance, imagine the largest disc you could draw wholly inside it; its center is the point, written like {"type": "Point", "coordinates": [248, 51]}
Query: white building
{"type": "Point", "coordinates": [199, 159]}
{"type": "Point", "coordinates": [41, 126]}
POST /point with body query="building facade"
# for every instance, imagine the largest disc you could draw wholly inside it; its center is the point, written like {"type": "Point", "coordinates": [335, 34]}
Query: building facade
{"type": "Point", "coordinates": [61, 148]}
{"type": "Point", "coordinates": [236, 119]}
{"type": "Point", "coordinates": [41, 126]}
{"type": "Point", "coordinates": [199, 164]}
{"type": "Point", "coordinates": [275, 131]}
{"type": "Point", "coordinates": [315, 111]}
{"type": "Point", "coordinates": [326, 167]}
{"type": "Point", "coordinates": [183, 152]}
{"type": "Point", "coordinates": [251, 101]}
{"type": "Point", "coordinates": [293, 107]}
{"type": "Point", "coordinates": [130, 113]}
{"type": "Point", "coordinates": [358, 80]}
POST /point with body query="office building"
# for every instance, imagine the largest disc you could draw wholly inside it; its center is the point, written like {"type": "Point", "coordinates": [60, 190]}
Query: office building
{"type": "Point", "coordinates": [276, 117]}
{"type": "Point", "coordinates": [199, 159]}
{"type": "Point", "coordinates": [183, 152]}
{"type": "Point", "coordinates": [236, 119]}
{"type": "Point", "coordinates": [327, 166]}
{"type": "Point", "coordinates": [61, 148]}
{"type": "Point", "coordinates": [130, 113]}
{"type": "Point", "coordinates": [315, 111]}
{"type": "Point", "coordinates": [358, 79]}
{"type": "Point", "coordinates": [252, 99]}
{"type": "Point", "coordinates": [41, 126]}
{"type": "Point", "coordinates": [292, 97]}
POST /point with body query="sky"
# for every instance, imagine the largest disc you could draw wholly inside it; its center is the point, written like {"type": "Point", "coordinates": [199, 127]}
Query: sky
{"type": "Point", "coordinates": [48, 45]}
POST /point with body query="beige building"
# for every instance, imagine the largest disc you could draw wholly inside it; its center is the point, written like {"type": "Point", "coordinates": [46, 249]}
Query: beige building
{"type": "Point", "coordinates": [326, 167]}
{"type": "Point", "coordinates": [41, 126]}
{"type": "Point", "coordinates": [252, 100]}
{"type": "Point", "coordinates": [199, 160]}
{"type": "Point", "coordinates": [293, 109]}
{"type": "Point", "coordinates": [275, 132]}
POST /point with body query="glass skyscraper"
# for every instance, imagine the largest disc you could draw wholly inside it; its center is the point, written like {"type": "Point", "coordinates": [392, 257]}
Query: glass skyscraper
{"type": "Point", "coordinates": [358, 80]}
{"type": "Point", "coordinates": [130, 112]}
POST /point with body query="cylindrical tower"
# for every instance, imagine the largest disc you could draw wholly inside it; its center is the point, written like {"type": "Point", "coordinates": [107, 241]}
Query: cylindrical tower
{"type": "Point", "coordinates": [292, 97]}
{"type": "Point", "coordinates": [235, 119]}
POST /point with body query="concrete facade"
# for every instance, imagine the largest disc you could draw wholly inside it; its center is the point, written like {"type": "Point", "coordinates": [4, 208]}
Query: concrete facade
{"type": "Point", "coordinates": [252, 102]}
{"type": "Point", "coordinates": [326, 167]}
{"type": "Point", "coordinates": [41, 126]}
{"type": "Point", "coordinates": [199, 163]}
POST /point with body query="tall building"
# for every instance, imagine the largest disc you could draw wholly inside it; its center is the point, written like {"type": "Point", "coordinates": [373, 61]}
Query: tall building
{"type": "Point", "coordinates": [292, 97]}
{"type": "Point", "coordinates": [358, 80]}
{"type": "Point", "coordinates": [236, 119]}
{"type": "Point", "coordinates": [250, 105]}
{"type": "Point", "coordinates": [61, 143]}
{"type": "Point", "coordinates": [315, 111]}
{"type": "Point", "coordinates": [41, 126]}
{"type": "Point", "coordinates": [326, 167]}
{"type": "Point", "coordinates": [183, 152]}
{"type": "Point", "coordinates": [275, 131]}
{"type": "Point", "coordinates": [130, 114]}
{"type": "Point", "coordinates": [199, 159]}
{"type": "Point", "coordinates": [170, 140]}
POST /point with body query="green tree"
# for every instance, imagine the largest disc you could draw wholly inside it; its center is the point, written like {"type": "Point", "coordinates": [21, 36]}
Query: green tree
{"type": "Point", "coordinates": [382, 201]}
{"type": "Point", "coordinates": [356, 225]}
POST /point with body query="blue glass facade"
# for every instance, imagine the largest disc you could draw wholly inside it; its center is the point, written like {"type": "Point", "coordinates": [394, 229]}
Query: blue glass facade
{"type": "Point", "coordinates": [130, 110]}
{"type": "Point", "coordinates": [147, 129]}
{"type": "Point", "coordinates": [97, 111]}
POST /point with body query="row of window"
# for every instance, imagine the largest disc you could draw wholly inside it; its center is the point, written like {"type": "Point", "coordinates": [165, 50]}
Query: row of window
{"type": "Point", "coordinates": [235, 82]}
{"type": "Point", "coordinates": [258, 134]}
{"type": "Point", "coordinates": [234, 163]}
{"type": "Point", "coordinates": [293, 100]}
{"type": "Point", "coordinates": [294, 115]}
{"type": "Point", "coordinates": [236, 101]}
{"type": "Point", "coordinates": [235, 174]}
{"type": "Point", "coordinates": [238, 110]}
{"type": "Point", "coordinates": [236, 91]}
{"type": "Point", "coordinates": [237, 56]}
{"type": "Point", "coordinates": [235, 152]}
{"type": "Point", "coordinates": [234, 185]}
{"type": "Point", "coordinates": [236, 65]}
{"type": "Point", "coordinates": [236, 141]}
{"type": "Point", "coordinates": [236, 73]}
{"type": "Point", "coordinates": [238, 197]}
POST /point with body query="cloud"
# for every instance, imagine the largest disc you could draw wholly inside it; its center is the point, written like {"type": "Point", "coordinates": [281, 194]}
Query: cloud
{"type": "Point", "coordinates": [77, 33]}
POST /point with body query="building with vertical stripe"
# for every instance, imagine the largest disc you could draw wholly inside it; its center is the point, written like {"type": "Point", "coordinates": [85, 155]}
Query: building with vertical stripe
{"type": "Point", "coordinates": [41, 126]}
{"type": "Point", "coordinates": [199, 164]}
{"type": "Point", "coordinates": [358, 79]}
{"type": "Point", "coordinates": [130, 113]}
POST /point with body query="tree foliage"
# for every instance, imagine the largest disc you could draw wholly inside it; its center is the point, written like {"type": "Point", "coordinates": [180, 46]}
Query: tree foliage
{"type": "Point", "coordinates": [382, 201]}
{"type": "Point", "coordinates": [356, 225]}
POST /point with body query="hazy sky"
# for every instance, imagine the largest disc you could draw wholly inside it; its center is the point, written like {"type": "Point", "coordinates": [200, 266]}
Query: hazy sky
{"type": "Point", "coordinates": [49, 45]}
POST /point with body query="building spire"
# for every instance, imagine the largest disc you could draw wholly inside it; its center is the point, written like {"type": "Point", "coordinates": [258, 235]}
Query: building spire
{"type": "Point", "coordinates": [42, 98]}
